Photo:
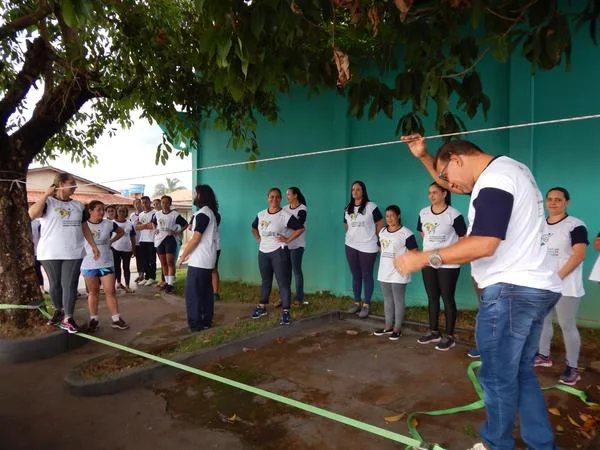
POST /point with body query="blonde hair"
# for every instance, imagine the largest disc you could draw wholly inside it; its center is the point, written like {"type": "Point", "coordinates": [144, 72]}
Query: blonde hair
{"type": "Point", "coordinates": [63, 177]}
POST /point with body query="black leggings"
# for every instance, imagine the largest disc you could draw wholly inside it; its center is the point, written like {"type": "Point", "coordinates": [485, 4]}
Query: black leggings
{"type": "Point", "coordinates": [125, 259]}
{"type": "Point", "coordinates": [441, 282]}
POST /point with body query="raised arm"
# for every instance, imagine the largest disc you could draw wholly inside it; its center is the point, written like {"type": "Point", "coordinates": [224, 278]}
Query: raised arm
{"type": "Point", "coordinates": [37, 209]}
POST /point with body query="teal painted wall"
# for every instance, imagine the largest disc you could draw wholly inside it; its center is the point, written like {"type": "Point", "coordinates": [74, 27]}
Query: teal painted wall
{"type": "Point", "coordinates": [559, 155]}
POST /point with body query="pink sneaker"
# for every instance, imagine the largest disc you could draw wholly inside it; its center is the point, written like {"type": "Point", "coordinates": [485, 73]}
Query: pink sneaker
{"type": "Point", "coordinates": [542, 361]}
{"type": "Point", "coordinates": [570, 376]}
{"type": "Point", "coordinates": [69, 325]}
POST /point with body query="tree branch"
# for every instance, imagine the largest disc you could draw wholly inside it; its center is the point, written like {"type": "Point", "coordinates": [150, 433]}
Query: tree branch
{"type": "Point", "coordinates": [44, 9]}
{"type": "Point", "coordinates": [37, 56]}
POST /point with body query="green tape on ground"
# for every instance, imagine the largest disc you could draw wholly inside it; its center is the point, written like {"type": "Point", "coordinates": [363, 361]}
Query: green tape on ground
{"type": "Point", "coordinates": [409, 442]}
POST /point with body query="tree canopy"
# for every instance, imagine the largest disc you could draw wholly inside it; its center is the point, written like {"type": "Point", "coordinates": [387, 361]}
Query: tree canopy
{"type": "Point", "coordinates": [171, 185]}
{"type": "Point", "coordinates": [180, 62]}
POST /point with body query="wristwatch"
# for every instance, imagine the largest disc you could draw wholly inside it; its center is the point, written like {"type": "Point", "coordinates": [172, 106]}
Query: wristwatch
{"type": "Point", "coordinates": [435, 260]}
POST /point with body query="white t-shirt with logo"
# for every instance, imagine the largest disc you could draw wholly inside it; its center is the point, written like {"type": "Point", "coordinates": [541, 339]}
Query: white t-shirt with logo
{"type": "Point", "coordinates": [166, 222]}
{"type": "Point", "coordinates": [61, 235]}
{"type": "Point", "coordinates": [124, 244]}
{"type": "Point", "coordinates": [362, 231]}
{"type": "Point", "coordinates": [558, 240]}
{"type": "Point", "coordinates": [299, 212]}
{"type": "Point", "coordinates": [271, 225]}
{"type": "Point", "coordinates": [441, 230]}
{"type": "Point", "coordinates": [204, 256]}
{"type": "Point", "coordinates": [101, 232]}
{"type": "Point", "coordinates": [394, 244]}
{"type": "Point", "coordinates": [506, 203]}
{"type": "Point", "coordinates": [144, 218]}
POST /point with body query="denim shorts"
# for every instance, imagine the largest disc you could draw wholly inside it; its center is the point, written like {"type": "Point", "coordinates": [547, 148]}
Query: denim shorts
{"type": "Point", "coordinates": [97, 273]}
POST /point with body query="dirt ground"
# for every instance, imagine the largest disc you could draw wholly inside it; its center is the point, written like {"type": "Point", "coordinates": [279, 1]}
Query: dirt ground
{"type": "Point", "coordinates": [361, 376]}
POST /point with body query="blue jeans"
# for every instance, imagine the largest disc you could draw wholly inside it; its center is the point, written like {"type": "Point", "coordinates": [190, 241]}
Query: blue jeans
{"type": "Point", "coordinates": [509, 324]}
{"type": "Point", "coordinates": [278, 263]}
{"type": "Point", "coordinates": [296, 259]}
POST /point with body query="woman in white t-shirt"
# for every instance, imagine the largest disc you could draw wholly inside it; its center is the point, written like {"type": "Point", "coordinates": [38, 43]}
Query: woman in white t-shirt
{"type": "Point", "coordinates": [167, 222]}
{"type": "Point", "coordinates": [201, 254]}
{"type": "Point", "coordinates": [100, 271]}
{"type": "Point", "coordinates": [124, 249]}
{"type": "Point", "coordinates": [394, 240]}
{"type": "Point", "coordinates": [271, 228]}
{"type": "Point", "coordinates": [35, 236]}
{"type": "Point", "coordinates": [362, 221]}
{"type": "Point", "coordinates": [566, 239]}
{"type": "Point", "coordinates": [440, 225]}
{"type": "Point", "coordinates": [60, 248]}
{"type": "Point", "coordinates": [297, 207]}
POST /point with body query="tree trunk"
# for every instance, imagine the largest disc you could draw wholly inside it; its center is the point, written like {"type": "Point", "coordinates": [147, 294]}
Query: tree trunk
{"type": "Point", "coordinates": [18, 281]}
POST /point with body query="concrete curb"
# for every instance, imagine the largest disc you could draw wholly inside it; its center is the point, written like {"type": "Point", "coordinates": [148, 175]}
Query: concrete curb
{"type": "Point", "coordinates": [38, 347]}
{"type": "Point", "coordinates": [155, 372]}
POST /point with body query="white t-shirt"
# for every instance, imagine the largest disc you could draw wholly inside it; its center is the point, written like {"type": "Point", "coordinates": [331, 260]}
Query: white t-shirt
{"type": "Point", "coordinates": [558, 240]}
{"type": "Point", "coordinates": [166, 222]}
{"type": "Point", "coordinates": [124, 244]}
{"type": "Point", "coordinates": [361, 234]}
{"type": "Point", "coordinates": [144, 218]}
{"type": "Point", "coordinates": [441, 230]}
{"type": "Point", "coordinates": [299, 212]}
{"type": "Point", "coordinates": [61, 235]}
{"type": "Point", "coordinates": [506, 203]}
{"type": "Point", "coordinates": [134, 217]}
{"type": "Point", "coordinates": [204, 256]}
{"type": "Point", "coordinates": [101, 232]}
{"type": "Point", "coordinates": [271, 225]}
{"type": "Point", "coordinates": [394, 244]}
{"type": "Point", "coordinates": [35, 234]}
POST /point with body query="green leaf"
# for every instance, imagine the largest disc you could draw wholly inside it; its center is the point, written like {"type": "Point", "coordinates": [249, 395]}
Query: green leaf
{"type": "Point", "coordinates": [223, 48]}
{"type": "Point", "coordinates": [199, 5]}
{"type": "Point", "coordinates": [373, 108]}
{"type": "Point", "coordinates": [69, 14]}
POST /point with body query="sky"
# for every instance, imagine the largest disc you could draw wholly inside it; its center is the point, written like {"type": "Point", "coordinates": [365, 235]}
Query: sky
{"type": "Point", "coordinates": [130, 153]}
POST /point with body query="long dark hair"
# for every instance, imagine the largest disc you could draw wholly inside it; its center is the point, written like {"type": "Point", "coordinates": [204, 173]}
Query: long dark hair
{"type": "Point", "coordinates": [298, 194]}
{"type": "Point", "coordinates": [205, 196]}
{"type": "Point", "coordinates": [443, 189]}
{"type": "Point", "coordinates": [363, 203]}
{"type": "Point", "coordinates": [560, 189]}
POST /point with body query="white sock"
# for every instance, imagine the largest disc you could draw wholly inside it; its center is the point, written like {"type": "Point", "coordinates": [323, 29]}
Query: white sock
{"type": "Point", "coordinates": [67, 317]}
{"type": "Point", "coordinates": [170, 279]}
{"type": "Point", "coordinates": [94, 318]}
{"type": "Point", "coordinates": [116, 317]}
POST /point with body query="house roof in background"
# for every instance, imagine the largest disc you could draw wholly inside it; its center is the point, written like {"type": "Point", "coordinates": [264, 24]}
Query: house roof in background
{"type": "Point", "coordinates": [76, 177]}
{"type": "Point", "coordinates": [85, 197]}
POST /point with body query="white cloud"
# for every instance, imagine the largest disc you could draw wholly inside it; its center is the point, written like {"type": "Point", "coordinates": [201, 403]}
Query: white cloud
{"type": "Point", "coordinates": [129, 154]}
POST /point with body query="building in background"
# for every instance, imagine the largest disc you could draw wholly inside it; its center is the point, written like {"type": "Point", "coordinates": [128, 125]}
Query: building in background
{"type": "Point", "coordinates": [39, 179]}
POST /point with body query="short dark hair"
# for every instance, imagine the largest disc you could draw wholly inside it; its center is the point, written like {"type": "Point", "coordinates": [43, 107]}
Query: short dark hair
{"type": "Point", "coordinates": [396, 210]}
{"type": "Point", "coordinates": [92, 205]}
{"type": "Point", "coordinates": [145, 197]}
{"type": "Point", "coordinates": [456, 147]}
{"type": "Point", "coordinates": [276, 189]}
{"type": "Point", "coordinates": [111, 206]}
{"type": "Point", "coordinates": [168, 197]}
{"type": "Point", "coordinates": [560, 189]}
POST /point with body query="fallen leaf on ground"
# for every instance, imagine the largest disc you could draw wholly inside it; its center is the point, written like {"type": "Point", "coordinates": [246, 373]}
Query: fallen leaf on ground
{"type": "Point", "coordinates": [594, 407]}
{"type": "Point", "coordinates": [414, 422]}
{"type": "Point", "coordinates": [573, 421]}
{"type": "Point", "coordinates": [279, 340]}
{"type": "Point", "coordinates": [559, 428]}
{"type": "Point", "coordinates": [248, 349]}
{"type": "Point", "coordinates": [586, 417]}
{"type": "Point", "coordinates": [352, 332]}
{"type": "Point", "coordinates": [584, 434]}
{"type": "Point", "coordinates": [232, 419]}
{"type": "Point", "coordinates": [554, 411]}
{"type": "Point", "coordinates": [394, 418]}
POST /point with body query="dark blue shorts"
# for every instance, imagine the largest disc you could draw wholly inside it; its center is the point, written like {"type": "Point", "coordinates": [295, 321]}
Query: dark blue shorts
{"type": "Point", "coordinates": [98, 273]}
{"type": "Point", "coordinates": [168, 245]}
{"type": "Point", "coordinates": [217, 261]}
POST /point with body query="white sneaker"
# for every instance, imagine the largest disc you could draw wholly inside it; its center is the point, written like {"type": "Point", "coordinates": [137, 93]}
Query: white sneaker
{"type": "Point", "coordinates": [149, 282]}
{"type": "Point", "coordinates": [478, 446]}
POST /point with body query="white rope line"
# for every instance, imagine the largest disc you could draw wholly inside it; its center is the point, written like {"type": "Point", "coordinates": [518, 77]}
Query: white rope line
{"type": "Point", "coordinates": [334, 150]}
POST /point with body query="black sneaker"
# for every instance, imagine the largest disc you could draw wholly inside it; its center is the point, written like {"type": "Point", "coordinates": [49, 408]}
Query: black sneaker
{"type": "Point", "coordinates": [56, 318]}
{"type": "Point", "coordinates": [169, 288]}
{"type": "Point", "coordinates": [395, 336]}
{"type": "Point", "coordinates": [93, 325]}
{"type": "Point", "coordinates": [445, 344]}
{"type": "Point", "coordinates": [69, 325]}
{"type": "Point", "coordinates": [431, 337]}
{"type": "Point", "coordinates": [285, 318]}
{"type": "Point", "coordinates": [217, 297]}
{"type": "Point", "coordinates": [120, 324]}
{"type": "Point", "coordinates": [383, 332]}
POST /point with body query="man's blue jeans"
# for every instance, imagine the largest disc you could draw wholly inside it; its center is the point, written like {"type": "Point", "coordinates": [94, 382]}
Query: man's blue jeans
{"type": "Point", "coordinates": [509, 324]}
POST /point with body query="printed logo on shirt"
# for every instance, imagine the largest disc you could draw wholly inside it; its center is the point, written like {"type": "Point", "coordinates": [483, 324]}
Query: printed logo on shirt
{"type": "Point", "coordinates": [264, 225]}
{"type": "Point", "coordinates": [430, 227]}
{"type": "Point", "coordinates": [546, 237]}
{"type": "Point", "coordinates": [95, 234]}
{"type": "Point", "coordinates": [162, 224]}
{"type": "Point", "coordinates": [64, 213]}
{"type": "Point", "coordinates": [385, 245]}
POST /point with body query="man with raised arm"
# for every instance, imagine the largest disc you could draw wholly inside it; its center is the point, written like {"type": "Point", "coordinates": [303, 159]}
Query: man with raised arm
{"type": "Point", "coordinates": [504, 246]}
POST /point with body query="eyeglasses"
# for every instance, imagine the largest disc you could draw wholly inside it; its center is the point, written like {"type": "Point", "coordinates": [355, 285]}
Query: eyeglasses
{"type": "Point", "coordinates": [442, 175]}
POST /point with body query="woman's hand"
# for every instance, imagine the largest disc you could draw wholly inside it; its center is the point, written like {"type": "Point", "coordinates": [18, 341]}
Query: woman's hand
{"type": "Point", "coordinates": [282, 238]}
